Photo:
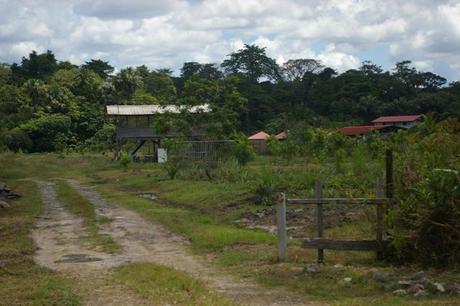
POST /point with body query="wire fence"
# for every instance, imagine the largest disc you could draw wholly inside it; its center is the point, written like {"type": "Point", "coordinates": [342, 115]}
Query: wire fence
{"type": "Point", "coordinates": [210, 151]}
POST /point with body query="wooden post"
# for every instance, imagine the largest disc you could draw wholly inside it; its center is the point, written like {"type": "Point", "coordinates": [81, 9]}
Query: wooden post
{"type": "Point", "coordinates": [282, 235]}
{"type": "Point", "coordinates": [389, 173]}
{"type": "Point", "coordinates": [379, 193]}
{"type": "Point", "coordinates": [319, 217]}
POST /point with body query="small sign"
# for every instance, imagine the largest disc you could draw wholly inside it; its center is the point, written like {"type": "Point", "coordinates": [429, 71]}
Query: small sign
{"type": "Point", "coordinates": [162, 155]}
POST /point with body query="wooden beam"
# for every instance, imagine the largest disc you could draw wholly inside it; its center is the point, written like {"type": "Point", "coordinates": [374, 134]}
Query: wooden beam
{"type": "Point", "coordinates": [368, 201]}
{"type": "Point", "coordinates": [352, 245]}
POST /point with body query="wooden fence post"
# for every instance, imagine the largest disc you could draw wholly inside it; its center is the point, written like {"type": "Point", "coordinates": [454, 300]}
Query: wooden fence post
{"type": "Point", "coordinates": [282, 235]}
{"type": "Point", "coordinates": [389, 173]}
{"type": "Point", "coordinates": [379, 193]}
{"type": "Point", "coordinates": [319, 217]}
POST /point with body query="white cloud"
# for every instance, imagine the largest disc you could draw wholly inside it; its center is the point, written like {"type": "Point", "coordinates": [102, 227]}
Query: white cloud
{"type": "Point", "coordinates": [165, 33]}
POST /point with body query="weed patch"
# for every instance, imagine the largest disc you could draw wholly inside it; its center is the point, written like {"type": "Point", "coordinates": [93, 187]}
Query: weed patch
{"type": "Point", "coordinates": [80, 206]}
{"type": "Point", "coordinates": [162, 285]}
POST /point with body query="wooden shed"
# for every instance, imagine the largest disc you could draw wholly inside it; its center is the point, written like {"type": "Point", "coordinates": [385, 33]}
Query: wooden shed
{"type": "Point", "coordinates": [136, 122]}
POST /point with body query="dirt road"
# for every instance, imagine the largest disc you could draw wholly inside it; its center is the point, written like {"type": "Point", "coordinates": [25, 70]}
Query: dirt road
{"type": "Point", "coordinates": [60, 238]}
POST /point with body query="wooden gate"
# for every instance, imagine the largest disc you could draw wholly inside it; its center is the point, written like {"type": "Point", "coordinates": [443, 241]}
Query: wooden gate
{"type": "Point", "coordinates": [320, 242]}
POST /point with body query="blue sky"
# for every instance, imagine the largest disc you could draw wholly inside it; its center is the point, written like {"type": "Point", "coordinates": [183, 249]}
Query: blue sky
{"type": "Point", "coordinates": [166, 33]}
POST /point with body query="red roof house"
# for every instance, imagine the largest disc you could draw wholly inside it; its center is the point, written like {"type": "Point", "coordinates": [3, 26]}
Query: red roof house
{"type": "Point", "coordinates": [359, 130]}
{"type": "Point", "coordinates": [260, 136]}
{"type": "Point", "coordinates": [281, 136]}
{"type": "Point", "coordinates": [401, 121]}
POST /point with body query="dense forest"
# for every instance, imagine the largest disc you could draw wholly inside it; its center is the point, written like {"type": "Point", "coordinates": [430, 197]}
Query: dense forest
{"type": "Point", "coordinates": [51, 105]}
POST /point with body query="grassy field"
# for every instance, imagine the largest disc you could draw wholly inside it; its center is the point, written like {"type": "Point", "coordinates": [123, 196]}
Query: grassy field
{"type": "Point", "coordinates": [204, 211]}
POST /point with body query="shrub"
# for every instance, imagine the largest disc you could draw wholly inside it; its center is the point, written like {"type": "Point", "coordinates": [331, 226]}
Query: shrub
{"type": "Point", "coordinates": [267, 185]}
{"type": "Point", "coordinates": [243, 150]}
{"type": "Point", "coordinates": [17, 140]}
{"type": "Point", "coordinates": [172, 166]}
{"type": "Point", "coordinates": [274, 145]}
{"type": "Point", "coordinates": [125, 160]}
{"type": "Point", "coordinates": [49, 132]}
{"type": "Point", "coordinates": [231, 171]}
{"type": "Point", "coordinates": [339, 158]}
{"type": "Point", "coordinates": [424, 223]}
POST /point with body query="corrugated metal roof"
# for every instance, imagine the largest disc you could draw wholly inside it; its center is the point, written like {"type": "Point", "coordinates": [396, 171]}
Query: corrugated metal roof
{"type": "Point", "coordinates": [138, 110]}
{"type": "Point", "coordinates": [259, 136]}
{"type": "Point", "coordinates": [408, 118]}
{"type": "Point", "coordinates": [361, 129]}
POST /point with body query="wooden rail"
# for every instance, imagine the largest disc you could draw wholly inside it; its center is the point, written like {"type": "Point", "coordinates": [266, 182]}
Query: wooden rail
{"type": "Point", "coordinates": [374, 201]}
{"type": "Point", "coordinates": [351, 245]}
{"type": "Point", "coordinates": [322, 243]}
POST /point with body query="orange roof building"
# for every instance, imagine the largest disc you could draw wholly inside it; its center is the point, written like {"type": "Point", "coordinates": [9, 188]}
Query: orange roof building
{"type": "Point", "coordinates": [260, 136]}
{"type": "Point", "coordinates": [281, 136]}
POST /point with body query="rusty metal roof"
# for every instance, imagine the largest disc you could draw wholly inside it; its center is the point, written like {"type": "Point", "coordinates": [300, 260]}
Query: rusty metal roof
{"type": "Point", "coordinates": [406, 118]}
{"type": "Point", "coordinates": [139, 110]}
{"type": "Point", "coordinates": [361, 129]}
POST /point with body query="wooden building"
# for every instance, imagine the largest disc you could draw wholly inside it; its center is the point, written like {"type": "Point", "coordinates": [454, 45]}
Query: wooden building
{"type": "Point", "coordinates": [382, 125]}
{"type": "Point", "coordinates": [136, 123]}
{"type": "Point", "coordinates": [405, 122]}
{"type": "Point", "coordinates": [361, 130]}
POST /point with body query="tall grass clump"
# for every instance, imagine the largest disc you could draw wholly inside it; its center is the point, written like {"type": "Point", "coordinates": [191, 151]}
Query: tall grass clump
{"type": "Point", "coordinates": [267, 184]}
{"type": "Point", "coordinates": [424, 222]}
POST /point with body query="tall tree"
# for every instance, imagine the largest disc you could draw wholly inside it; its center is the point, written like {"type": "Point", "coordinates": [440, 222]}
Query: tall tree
{"type": "Point", "coordinates": [158, 84]}
{"type": "Point", "coordinates": [252, 63]}
{"type": "Point", "coordinates": [430, 81]}
{"type": "Point", "coordinates": [405, 73]}
{"type": "Point", "coordinates": [126, 82]}
{"type": "Point", "coordinates": [5, 74]}
{"type": "Point", "coordinates": [36, 66]}
{"type": "Point", "coordinates": [295, 69]}
{"type": "Point", "coordinates": [205, 71]}
{"type": "Point", "coordinates": [102, 68]}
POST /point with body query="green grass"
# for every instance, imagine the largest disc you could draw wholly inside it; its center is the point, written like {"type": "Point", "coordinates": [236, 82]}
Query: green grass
{"type": "Point", "coordinates": [203, 211]}
{"type": "Point", "coordinates": [82, 207]}
{"type": "Point", "coordinates": [23, 282]}
{"type": "Point", "coordinates": [166, 286]}
{"type": "Point", "coordinates": [203, 230]}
